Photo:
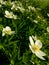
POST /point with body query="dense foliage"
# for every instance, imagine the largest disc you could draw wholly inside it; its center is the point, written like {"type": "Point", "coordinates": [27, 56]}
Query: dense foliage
{"type": "Point", "coordinates": [31, 18]}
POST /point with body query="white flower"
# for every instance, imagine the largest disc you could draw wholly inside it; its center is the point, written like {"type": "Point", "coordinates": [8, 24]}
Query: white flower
{"type": "Point", "coordinates": [2, 2]}
{"type": "Point", "coordinates": [7, 30]}
{"type": "Point", "coordinates": [35, 21]}
{"type": "Point", "coordinates": [13, 7]}
{"type": "Point", "coordinates": [21, 9]}
{"type": "Point", "coordinates": [35, 48]}
{"type": "Point", "coordinates": [31, 8]}
{"type": "Point", "coordinates": [17, 8]}
{"type": "Point", "coordinates": [47, 29]}
{"type": "Point", "coordinates": [10, 15]}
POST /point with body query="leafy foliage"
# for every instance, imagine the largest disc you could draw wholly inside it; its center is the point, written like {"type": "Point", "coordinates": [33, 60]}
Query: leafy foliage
{"type": "Point", "coordinates": [31, 21]}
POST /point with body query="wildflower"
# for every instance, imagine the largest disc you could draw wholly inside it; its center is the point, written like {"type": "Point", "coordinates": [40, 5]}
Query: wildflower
{"type": "Point", "coordinates": [21, 9]}
{"type": "Point", "coordinates": [47, 29]}
{"type": "Point", "coordinates": [35, 48]}
{"type": "Point", "coordinates": [2, 2]}
{"type": "Point", "coordinates": [13, 7]}
{"type": "Point", "coordinates": [31, 8]}
{"type": "Point", "coordinates": [35, 21]}
{"type": "Point", "coordinates": [17, 8]}
{"type": "Point", "coordinates": [10, 15]}
{"type": "Point", "coordinates": [7, 30]}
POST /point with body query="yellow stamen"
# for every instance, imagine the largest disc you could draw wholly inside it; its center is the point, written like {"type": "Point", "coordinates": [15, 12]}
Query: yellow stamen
{"type": "Point", "coordinates": [36, 48]}
{"type": "Point", "coordinates": [8, 32]}
{"type": "Point", "coordinates": [9, 15]}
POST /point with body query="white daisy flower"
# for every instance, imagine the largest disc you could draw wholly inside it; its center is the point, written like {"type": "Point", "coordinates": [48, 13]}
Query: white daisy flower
{"type": "Point", "coordinates": [10, 15]}
{"type": "Point", "coordinates": [35, 48]}
{"type": "Point", "coordinates": [7, 30]}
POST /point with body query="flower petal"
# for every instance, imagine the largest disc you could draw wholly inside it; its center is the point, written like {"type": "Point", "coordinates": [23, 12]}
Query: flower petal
{"type": "Point", "coordinates": [42, 53]}
{"type": "Point", "coordinates": [39, 55]}
{"type": "Point", "coordinates": [12, 32]}
{"type": "Point", "coordinates": [31, 41]}
{"type": "Point", "coordinates": [8, 28]}
{"type": "Point", "coordinates": [3, 34]}
{"type": "Point", "coordinates": [38, 43]}
{"type": "Point", "coordinates": [31, 48]}
{"type": "Point", "coordinates": [34, 37]}
{"type": "Point", "coordinates": [6, 12]}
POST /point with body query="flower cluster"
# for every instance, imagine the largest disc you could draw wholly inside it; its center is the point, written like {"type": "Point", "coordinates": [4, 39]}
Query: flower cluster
{"type": "Point", "coordinates": [16, 6]}
{"type": "Point", "coordinates": [2, 3]}
{"type": "Point", "coordinates": [17, 23]}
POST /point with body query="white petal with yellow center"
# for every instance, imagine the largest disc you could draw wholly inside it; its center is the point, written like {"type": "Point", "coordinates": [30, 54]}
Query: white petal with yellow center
{"type": "Point", "coordinates": [8, 14]}
{"type": "Point", "coordinates": [7, 30]}
{"type": "Point", "coordinates": [35, 48]}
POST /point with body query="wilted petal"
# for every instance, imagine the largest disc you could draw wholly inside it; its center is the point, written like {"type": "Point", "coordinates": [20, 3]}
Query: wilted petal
{"type": "Point", "coordinates": [31, 48]}
{"type": "Point", "coordinates": [39, 55]}
{"type": "Point", "coordinates": [38, 43]}
{"type": "Point", "coordinates": [31, 41]}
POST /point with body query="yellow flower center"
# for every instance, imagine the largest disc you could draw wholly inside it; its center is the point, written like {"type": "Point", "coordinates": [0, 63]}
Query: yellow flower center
{"type": "Point", "coordinates": [36, 48]}
{"type": "Point", "coordinates": [9, 15]}
{"type": "Point", "coordinates": [8, 32]}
